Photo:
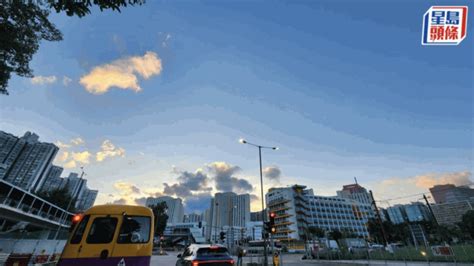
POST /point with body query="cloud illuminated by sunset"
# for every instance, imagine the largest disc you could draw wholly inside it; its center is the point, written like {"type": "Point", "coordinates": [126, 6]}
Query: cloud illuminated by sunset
{"type": "Point", "coordinates": [122, 73]}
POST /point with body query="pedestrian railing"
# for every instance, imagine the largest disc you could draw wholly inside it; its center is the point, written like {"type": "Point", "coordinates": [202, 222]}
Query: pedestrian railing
{"type": "Point", "coordinates": [461, 253]}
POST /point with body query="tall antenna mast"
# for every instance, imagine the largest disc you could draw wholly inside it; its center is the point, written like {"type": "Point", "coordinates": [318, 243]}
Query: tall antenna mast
{"type": "Point", "coordinates": [355, 179]}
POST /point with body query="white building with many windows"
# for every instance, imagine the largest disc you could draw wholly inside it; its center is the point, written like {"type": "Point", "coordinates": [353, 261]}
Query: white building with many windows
{"type": "Point", "coordinates": [227, 210]}
{"type": "Point", "coordinates": [297, 209]}
{"type": "Point", "coordinates": [290, 204]}
{"type": "Point", "coordinates": [175, 209]}
{"type": "Point", "coordinates": [342, 214]}
{"type": "Point", "coordinates": [25, 161]}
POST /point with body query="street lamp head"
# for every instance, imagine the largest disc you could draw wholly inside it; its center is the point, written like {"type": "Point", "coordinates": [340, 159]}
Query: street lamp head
{"type": "Point", "coordinates": [243, 141]}
{"type": "Point", "coordinates": [276, 148]}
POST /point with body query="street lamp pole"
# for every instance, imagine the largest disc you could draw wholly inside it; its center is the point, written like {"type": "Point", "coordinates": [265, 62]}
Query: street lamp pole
{"type": "Point", "coordinates": [261, 181]}
{"type": "Point", "coordinates": [264, 218]}
{"type": "Point", "coordinates": [72, 200]}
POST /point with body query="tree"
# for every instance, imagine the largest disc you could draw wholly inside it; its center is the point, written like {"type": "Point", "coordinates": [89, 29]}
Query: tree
{"type": "Point", "coordinates": [23, 24]}
{"type": "Point", "coordinates": [346, 233]}
{"type": "Point", "coordinates": [159, 211]}
{"type": "Point", "coordinates": [336, 235]}
{"type": "Point", "coordinates": [375, 230]}
{"type": "Point", "coordinates": [316, 232]}
{"type": "Point", "coordinates": [399, 233]}
{"type": "Point", "coordinates": [467, 223]}
{"type": "Point", "coordinates": [59, 197]}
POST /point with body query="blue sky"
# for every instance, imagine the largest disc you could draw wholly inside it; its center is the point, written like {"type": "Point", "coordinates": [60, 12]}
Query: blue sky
{"type": "Point", "coordinates": [344, 89]}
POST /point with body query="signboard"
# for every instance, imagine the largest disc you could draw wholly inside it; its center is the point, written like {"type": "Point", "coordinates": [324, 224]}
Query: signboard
{"type": "Point", "coordinates": [442, 251]}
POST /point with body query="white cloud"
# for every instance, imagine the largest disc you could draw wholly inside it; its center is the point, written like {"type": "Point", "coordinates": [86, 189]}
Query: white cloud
{"type": "Point", "coordinates": [126, 188]}
{"type": "Point", "coordinates": [73, 142]}
{"type": "Point", "coordinates": [62, 145]}
{"type": "Point", "coordinates": [108, 149]}
{"type": "Point", "coordinates": [70, 164]}
{"type": "Point", "coordinates": [81, 157]}
{"type": "Point", "coordinates": [66, 80]}
{"type": "Point", "coordinates": [70, 158]}
{"type": "Point", "coordinates": [429, 180]}
{"type": "Point", "coordinates": [397, 187]}
{"type": "Point", "coordinates": [73, 159]}
{"type": "Point", "coordinates": [127, 192]}
{"type": "Point", "coordinates": [122, 73]}
{"type": "Point", "coordinates": [43, 80]}
{"type": "Point", "coordinates": [63, 156]}
{"type": "Point", "coordinates": [77, 141]}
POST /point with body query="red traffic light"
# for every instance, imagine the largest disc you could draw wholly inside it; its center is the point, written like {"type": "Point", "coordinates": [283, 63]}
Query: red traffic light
{"type": "Point", "coordinates": [272, 215]}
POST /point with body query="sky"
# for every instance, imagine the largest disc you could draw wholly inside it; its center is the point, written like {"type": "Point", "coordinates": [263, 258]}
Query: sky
{"type": "Point", "coordinates": [153, 100]}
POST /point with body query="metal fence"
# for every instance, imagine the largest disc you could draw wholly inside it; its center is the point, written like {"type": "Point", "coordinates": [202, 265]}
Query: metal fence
{"type": "Point", "coordinates": [463, 253]}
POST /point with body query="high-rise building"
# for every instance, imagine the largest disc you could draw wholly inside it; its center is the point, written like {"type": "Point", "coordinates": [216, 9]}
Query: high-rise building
{"type": "Point", "coordinates": [417, 212]}
{"type": "Point", "coordinates": [87, 199]}
{"type": "Point", "coordinates": [342, 214]}
{"type": "Point", "coordinates": [76, 186]}
{"type": "Point", "coordinates": [256, 216]}
{"type": "Point", "coordinates": [439, 192]}
{"type": "Point", "coordinates": [175, 209]}
{"type": "Point", "coordinates": [408, 213]}
{"type": "Point", "coordinates": [355, 192]}
{"type": "Point", "coordinates": [9, 151]}
{"type": "Point", "coordinates": [25, 162]}
{"type": "Point", "coordinates": [383, 214]}
{"type": "Point", "coordinates": [452, 202]}
{"type": "Point", "coordinates": [450, 193]}
{"type": "Point", "coordinates": [53, 180]}
{"type": "Point", "coordinates": [397, 214]}
{"type": "Point", "coordinates": [450, 213]}
{"type": "Point", "coordinates": [228, 210]}
{"type": "Point", "coordinates": [291, 206]}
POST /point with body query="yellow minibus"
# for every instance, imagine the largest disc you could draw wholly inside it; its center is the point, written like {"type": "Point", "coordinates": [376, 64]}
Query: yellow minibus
{"type": "Point", "coordinates": [110, 235]}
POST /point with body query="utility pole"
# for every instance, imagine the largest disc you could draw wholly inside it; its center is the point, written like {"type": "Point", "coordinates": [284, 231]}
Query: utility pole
{"type": "Point", "coordinates": [431, 210]}
{"type": "Point", "coordinates": [377, 213]}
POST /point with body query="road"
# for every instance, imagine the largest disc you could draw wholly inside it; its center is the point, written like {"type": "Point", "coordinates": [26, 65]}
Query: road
{"type": "Point", "coordinates": [170, 259]}
{"type": "Point", "coordinates": [295, 260]}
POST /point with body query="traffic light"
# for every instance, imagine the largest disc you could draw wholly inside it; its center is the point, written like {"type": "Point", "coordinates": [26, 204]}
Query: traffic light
{"type": "Point", "coordinates": [272, 219]}
{"type": "Point", "coordinates": [271, 223]}
{"type": "Point", "coordinates": [265, 235]}
{"type": "Point", "coordinates": [222, 236]}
